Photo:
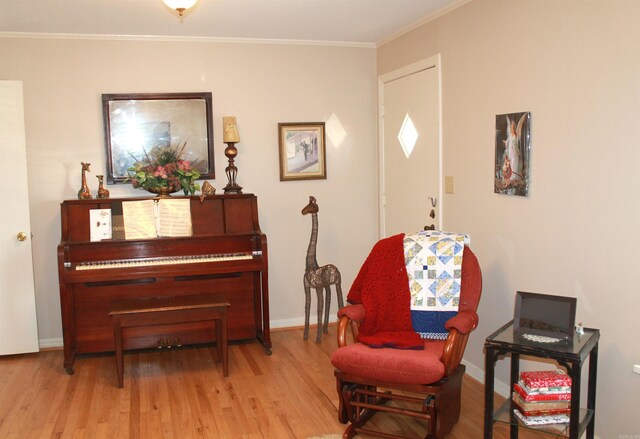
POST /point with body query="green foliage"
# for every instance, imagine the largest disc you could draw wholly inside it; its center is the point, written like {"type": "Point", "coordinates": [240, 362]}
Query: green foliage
{"type": "Point", "coordinates": [163, 167]}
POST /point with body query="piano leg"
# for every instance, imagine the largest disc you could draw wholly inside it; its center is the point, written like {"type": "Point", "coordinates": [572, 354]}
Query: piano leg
{"type": "Point", "coordinates": [261, 300]}
{"type": "Point", "coordinates": [68, 332]}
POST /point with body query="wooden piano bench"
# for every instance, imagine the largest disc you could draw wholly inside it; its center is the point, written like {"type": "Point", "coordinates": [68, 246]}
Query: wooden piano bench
{"type": "Point", "coordinates": [152, 311]}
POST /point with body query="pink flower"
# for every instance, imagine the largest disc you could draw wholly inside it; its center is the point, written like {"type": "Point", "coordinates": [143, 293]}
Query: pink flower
{"type": "Point", "coordinates": [184, 165]}
{"type": "Point", "coordinates": [160, 172]}
{"type": "Point", "coordinates": [170, 168]}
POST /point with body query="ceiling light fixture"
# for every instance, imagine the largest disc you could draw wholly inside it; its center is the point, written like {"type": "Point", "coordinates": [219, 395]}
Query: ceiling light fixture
{"type": "Point", "coordinates": [180, 5]}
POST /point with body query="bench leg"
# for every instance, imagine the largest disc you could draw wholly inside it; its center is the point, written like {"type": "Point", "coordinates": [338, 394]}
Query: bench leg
{"type": "Point", "coordinates": [224, 343]}
{"type": "Point", "coordinates": [117, 336]}
{"type": "Point", "coordinates": [218, 324]}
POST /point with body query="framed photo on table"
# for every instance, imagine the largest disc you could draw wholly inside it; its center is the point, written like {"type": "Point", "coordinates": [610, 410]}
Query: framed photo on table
{"type": "Point", "coordinates": [135, 123]}
{"type": "Point", "coordinates": [302, 151]}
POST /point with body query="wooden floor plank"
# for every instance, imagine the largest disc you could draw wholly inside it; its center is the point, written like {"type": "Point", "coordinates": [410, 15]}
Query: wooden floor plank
{"type": "Point", "coordinates": [181, 393]}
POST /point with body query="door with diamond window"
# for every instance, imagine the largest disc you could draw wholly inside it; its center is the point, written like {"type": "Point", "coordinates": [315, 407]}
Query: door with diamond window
{"type": "Point", "coordinates": [410, 150]}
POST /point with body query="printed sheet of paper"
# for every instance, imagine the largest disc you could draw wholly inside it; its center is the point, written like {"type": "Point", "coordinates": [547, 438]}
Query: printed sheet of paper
{"type": "Point", "coordinates": [100, 220]}
{"type": "Point", "coordinates": [139, 219]}
{"type": "Point", "coordinates": [174, 217]}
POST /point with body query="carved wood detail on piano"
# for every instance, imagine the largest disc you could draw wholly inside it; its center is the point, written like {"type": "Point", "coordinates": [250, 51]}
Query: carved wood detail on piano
{"type": "Point", "coordinates": [233, 260]}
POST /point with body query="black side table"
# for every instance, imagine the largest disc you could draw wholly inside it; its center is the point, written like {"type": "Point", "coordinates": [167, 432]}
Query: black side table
{"type": "Point", "coordinates": [571, 355]}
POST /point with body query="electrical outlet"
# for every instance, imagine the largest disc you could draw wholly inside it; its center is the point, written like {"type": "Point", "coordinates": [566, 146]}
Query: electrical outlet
{"type": "Point", "coordinates": [448, 185]}
{"type": "Point", "coordinates": [636, 368]}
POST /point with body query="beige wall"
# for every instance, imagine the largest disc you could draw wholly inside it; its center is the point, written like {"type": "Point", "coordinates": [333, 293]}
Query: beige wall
{"type": "Point", "coordinates": [575, 65]}
{"type": "Point", "coordinates": [262, 85]}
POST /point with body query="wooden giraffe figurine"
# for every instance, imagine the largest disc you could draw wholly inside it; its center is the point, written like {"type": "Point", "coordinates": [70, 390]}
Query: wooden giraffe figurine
{"type": "Point", "coordinates": [84, 193]}
{"type": "Point", "coordinates": [320, 278]}
{"type": "Point", "coordinates": [102, 191]}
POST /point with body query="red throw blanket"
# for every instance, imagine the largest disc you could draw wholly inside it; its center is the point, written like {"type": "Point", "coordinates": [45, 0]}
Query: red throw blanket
{"type": "Point", "coordinates": [382, 287]}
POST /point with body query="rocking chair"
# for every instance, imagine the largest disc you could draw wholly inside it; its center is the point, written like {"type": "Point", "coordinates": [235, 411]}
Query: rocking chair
{"type": "Point", "coordinates": [435, 373]}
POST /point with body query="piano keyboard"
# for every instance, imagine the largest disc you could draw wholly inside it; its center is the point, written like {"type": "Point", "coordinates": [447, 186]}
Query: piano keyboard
{"type": "Point", "coordinates": [174, 260]}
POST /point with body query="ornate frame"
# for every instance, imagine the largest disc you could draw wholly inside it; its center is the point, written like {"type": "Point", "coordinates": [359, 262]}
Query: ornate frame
{"type": "Point", "coordinates": [135, 122]}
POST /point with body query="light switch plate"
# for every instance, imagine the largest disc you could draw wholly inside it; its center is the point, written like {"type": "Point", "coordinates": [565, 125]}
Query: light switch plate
{"type": "Point", "coordinates": [448, 185]}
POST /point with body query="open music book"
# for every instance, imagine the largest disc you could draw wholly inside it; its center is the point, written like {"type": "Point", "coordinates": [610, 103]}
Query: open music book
{"type": "Point", "coordinates": [162, 217]}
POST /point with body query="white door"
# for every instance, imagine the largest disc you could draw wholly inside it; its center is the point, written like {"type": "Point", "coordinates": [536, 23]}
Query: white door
{"type": "Point", "coordinates": [18, 325]}
{"type": "Point", "coordinates": [410, 174]}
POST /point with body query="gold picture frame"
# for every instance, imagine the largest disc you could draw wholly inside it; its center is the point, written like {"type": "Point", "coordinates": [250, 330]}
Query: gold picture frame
{"type": "Point", "coordinates": [302, 151]}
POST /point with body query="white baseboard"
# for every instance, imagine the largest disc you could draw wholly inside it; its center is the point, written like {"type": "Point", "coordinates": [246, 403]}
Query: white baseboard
{"type": "Point", "coordinates": [50, 343]}
{"type": "Point", "coordinates": [477, 374]}
{"type": "Point", "coordinates": [296, 322]}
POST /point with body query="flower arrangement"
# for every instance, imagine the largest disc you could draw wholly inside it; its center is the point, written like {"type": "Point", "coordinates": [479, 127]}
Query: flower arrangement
{"type": "Point", "coordinates": [163, 171]}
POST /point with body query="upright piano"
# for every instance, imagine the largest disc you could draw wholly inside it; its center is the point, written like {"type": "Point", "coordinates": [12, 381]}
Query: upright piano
{"type": "Point", "coordinates": [227, 253]}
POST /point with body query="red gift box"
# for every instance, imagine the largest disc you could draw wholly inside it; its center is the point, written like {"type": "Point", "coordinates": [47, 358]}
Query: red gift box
{"type": "Point", "coordinates": [544, 379]}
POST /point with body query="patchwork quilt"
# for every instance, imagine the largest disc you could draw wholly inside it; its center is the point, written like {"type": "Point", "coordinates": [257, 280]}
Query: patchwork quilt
{"type": "Point", "coordinates": [434, 267]}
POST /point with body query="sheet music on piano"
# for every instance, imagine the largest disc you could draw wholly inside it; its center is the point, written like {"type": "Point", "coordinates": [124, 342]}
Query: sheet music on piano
{"type": "Point", "coordinates": [163, 217]}
{"type": "Point", "coordinates": [100, 220]}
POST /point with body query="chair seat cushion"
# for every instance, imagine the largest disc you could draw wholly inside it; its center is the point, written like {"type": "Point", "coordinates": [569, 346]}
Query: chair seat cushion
{"type": "Point", "coordinates": [392, 365]}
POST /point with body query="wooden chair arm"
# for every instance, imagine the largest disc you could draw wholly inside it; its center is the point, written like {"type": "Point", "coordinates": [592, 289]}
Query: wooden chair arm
{"type": "Point", "coordinates": [344, 323]}
{"type": "Point", "coordinates": [459, 328]}
{"type": "Point", "coordinates": [453, 350]}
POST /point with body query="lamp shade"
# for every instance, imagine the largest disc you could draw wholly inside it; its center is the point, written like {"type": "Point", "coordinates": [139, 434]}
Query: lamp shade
{"type": "Point", "coordinates": [230, 129]}
{"type": "Point", "coordinates": [180, 5]}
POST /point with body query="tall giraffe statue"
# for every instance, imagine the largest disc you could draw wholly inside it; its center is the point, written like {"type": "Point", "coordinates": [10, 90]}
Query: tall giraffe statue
{"type": "Point", "coordinates": [320, 278]}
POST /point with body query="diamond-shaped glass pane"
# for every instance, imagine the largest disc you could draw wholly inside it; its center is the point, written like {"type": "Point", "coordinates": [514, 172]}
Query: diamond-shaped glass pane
{"type": "Point", "coordinates": [408, 136]}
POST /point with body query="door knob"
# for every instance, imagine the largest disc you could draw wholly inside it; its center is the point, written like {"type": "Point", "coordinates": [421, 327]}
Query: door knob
{"type": "Point", "coordinates": [22, 236]}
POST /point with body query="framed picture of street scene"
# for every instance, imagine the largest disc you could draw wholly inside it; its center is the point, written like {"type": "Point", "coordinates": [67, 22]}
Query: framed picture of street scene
{"type": "Point", "coordinates": [302, 151]}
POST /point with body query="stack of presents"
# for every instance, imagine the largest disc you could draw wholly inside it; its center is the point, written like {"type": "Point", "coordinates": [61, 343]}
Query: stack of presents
{"type": "Point", "coordinates": [542, 397]}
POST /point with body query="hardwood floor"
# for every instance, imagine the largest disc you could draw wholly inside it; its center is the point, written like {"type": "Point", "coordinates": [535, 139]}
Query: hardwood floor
{"type": "Point", "coordinates": [181, 393]}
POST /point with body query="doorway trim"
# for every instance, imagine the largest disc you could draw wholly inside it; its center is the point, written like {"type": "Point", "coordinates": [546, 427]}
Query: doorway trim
{"type": "Point", "coordinates": [432, 62]}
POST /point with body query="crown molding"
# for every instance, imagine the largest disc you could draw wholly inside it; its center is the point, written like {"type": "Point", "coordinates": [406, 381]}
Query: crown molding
{"type": "Point", "coordinates": [167, 38]}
